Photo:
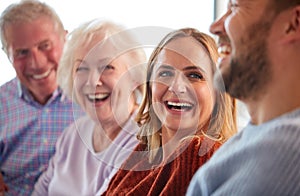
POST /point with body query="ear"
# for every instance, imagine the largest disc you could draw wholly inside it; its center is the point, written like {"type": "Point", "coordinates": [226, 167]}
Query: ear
{"type": "Point", "coordinates": [293, 28]}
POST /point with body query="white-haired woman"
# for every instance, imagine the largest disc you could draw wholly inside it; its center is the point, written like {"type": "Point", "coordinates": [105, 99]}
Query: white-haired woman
{"type": "Point", "coordinates": [102, 70]}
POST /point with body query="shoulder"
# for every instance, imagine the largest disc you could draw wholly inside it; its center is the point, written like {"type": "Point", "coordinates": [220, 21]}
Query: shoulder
{"type": "Point", "coordinates": [201, 145]}
{"type": "Point", "coordinates": [255, 160]}
{"type": "Point", "coordinates": [75, 131]}
{"type": "Point", "coordinates": [9, 89]}
{"type": "Point", "coordinates": [194, 151]}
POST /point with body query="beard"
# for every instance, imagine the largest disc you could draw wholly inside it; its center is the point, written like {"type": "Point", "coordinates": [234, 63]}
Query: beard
{"type": "Point", "coordinates": [249, 72]}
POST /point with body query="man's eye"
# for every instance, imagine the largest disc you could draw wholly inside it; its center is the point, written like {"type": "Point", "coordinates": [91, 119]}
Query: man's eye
{"type": "Point", "coordinates": [21, 53]}
{"type": "Point", "coordinates": [233, 6]}
{"type": "Point", "coordinates": [45, 46]}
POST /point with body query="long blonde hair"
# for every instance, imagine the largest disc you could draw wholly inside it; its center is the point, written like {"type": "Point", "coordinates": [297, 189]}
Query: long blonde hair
{"type": "Point", "coordinates": [223, 118]}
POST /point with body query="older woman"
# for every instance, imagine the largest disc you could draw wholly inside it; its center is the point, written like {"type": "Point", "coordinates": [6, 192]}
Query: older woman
{"type": "Point", "coordinates": [183, 119]}
{"type": "Point", "coordinates": [102, 70]}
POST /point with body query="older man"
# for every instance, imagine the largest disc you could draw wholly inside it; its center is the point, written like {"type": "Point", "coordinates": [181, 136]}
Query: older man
{"type": "Point", "coordinates": [33, 111]}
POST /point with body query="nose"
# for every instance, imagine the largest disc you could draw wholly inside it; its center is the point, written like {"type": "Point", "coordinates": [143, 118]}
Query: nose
{"type": "Point", "coordinates": [218, 27]}
{"type": "Point", "coordinates": [94, 79]}
{"type": "Point", "coordinates": [179, 84]}
{"type": "Point", "coordinates": [38, 59]}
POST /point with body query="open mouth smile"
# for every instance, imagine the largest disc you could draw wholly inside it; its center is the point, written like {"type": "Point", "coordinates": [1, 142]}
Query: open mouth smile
{"type": "Point", "coordinates": [179, 106]}
{"type": "Point", "coordinates": [97, 97]}
{"type": "Point", "coordinates": [42, 76]}
{"type": "Point", "coordinates": [224, 50]}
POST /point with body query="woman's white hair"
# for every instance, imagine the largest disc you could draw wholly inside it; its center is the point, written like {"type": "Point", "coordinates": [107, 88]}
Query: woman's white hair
{"type": "Point", "coordinates": [122, 40]}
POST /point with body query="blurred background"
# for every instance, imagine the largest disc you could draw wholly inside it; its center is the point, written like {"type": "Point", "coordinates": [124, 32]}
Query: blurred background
{"type": "Point", "coordinates": [171, 14]}
{"type": "Point", "coordinates": [166, 14]}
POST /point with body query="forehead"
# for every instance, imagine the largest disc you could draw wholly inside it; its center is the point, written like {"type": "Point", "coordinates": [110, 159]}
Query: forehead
{"type": "Point", "coordinates": [24, 34]}
{"type": "Point", "coordinates": [246, 3]}
{"type": "Point", "coordinates": [185, 51]}
{"type": "Point", "coordinates": [87, 48]}
{"type": "Point", "coordinates": [101, 53]}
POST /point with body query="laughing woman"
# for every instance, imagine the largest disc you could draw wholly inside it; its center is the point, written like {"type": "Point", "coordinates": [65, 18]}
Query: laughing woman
{"type": "Point", "coordinates": [183, 119]}
{"type": "Point", "coordinates": [100, 70]}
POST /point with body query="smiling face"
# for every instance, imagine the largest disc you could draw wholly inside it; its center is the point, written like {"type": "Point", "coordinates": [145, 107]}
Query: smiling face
{"type": "Point", "coordinates": [182, 90]}
{"type": "Point", "coordinates": [243, 34]}
{"type": "Point", "coordinates": [103, 86]}
{"type": "Point", "coordinates": [35, 49]}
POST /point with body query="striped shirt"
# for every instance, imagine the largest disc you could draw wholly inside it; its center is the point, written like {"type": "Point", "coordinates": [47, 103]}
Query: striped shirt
{"type": "Point", "coordinates": [28, 133]}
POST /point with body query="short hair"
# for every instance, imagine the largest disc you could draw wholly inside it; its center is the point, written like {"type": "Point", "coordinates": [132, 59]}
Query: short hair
{"type": "Point", "coordinates": [121, 38]}
{"type": "Point", "coordinates": [281, 5]}
{"type": "Point", "coordinates": [27, 11]}
{"type": "Point", "coordinates": [223, 118]}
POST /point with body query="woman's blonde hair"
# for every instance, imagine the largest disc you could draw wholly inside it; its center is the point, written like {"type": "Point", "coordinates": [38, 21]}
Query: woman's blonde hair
{"type": "Point", "coordinates": [85, 34]}
{"type": "Point", "coordinates": [223, 118]}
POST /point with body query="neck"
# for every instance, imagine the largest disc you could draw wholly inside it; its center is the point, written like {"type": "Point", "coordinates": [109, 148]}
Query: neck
{"type": "Point", "coordinates": [103, 135]}
{"type": "Point", "coordinates": [282, 97]}
{"type": "Point", "coordinates": [103, 138]}
{"type": "Point", "coordinates": [171, 139]}
{"type": "Point", "coordinates": [42, 100]}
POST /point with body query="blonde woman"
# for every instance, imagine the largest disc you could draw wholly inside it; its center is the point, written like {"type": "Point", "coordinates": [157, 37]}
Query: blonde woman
{"type": "Point", "coordinates": [183, 119]}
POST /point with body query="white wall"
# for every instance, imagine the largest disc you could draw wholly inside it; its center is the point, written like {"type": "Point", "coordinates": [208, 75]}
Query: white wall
{"type": "Point", "coordinates": [131, 13]}
{"type": "Point", "coordinates": [221, 7]}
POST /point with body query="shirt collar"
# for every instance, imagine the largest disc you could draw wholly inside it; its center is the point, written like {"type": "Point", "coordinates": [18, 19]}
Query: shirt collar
{"type": "Point", "coordinates": [26, 95]}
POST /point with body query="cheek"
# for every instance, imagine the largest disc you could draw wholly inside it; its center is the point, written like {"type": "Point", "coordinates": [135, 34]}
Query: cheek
{"type": "Point", "coordinates": [237, 25]}
{"type": "Point", "coordinates": [55, 54]}
{"type": "Point", "coordinates": [19, 66]}
{"type": "Point", "coordinates": [206, 99]}
{"type": "Point", "coordinates": [78, 84]}
{"type": "Point", "coordinates": [114, 83]}
{"type": "Point", "coordinates": [158, 90]}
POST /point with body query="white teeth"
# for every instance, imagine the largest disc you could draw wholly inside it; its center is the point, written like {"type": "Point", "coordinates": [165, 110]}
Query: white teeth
{"type": "Point", "coordinates": [224, 50]}
{"type": "Point", "coordinates": [43, 75]}
{"type": "Point", "coordinates": [179, 104]}
{"type": "Point", "coordinates": [98, 96]}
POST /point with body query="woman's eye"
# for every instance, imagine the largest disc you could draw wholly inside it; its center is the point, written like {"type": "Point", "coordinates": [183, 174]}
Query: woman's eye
{"type": "Point", "coordinates": [165, 74]}
{"type": "Point", "coordinates": [195, 76]}
{"type": "Point", "coordinates": [109, 67]}
{"type": "Point", "coordinates": [81, 69]}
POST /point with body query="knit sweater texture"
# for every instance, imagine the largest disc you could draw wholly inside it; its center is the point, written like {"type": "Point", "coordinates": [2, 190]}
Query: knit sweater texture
{"type": "Point", "coordinates": [170, 177]}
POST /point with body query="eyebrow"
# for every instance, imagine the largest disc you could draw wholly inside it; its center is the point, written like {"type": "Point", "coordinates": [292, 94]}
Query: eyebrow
{"type": "Point", "coordinates": [79, 60]}
{"type": "Point", "coordinates": [185, 69]}
{"type": "Point", "coordinates": [104, 61]}
{"type": "Point", "coordinates": [194, 68]}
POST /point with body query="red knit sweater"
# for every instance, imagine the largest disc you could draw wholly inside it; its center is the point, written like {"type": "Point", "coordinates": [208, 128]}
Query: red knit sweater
{"type": "Point", "coordinates": [171, 178]}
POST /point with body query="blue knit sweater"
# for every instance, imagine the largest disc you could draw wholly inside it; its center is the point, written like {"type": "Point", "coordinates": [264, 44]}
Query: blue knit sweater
{"type": "Point", "coordinates": [260, 160]}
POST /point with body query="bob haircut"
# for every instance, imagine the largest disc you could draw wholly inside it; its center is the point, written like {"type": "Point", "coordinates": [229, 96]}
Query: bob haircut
{"type": "Point", "coordinates": [122, 41]}
{"type": "Point", "coordinates": [27, 11]}
{"type": "Point", "coordinates": [223, 118]}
